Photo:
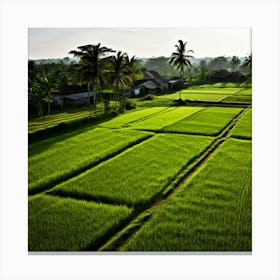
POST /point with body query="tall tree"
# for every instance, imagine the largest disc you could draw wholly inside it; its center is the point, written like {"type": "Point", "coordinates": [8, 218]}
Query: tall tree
{"type": "Point", "coordinates": [133, 68]}
{"type": "Point", "coordinates": [248, 62]}
{"type": "Point", "coordinates": [235, 61]}
{"type": "Point", "coordinates": [46, 85]}
{"type": "Point", "coordinates": [181, 59]}
{"type": "Point", "coordinates": [119, 70]}
{"type": "Point", "coordinates": [90, 64]}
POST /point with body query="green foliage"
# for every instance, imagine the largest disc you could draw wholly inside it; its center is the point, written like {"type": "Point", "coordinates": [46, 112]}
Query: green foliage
{"type": "Point", "coordinates": [208, 121]}
{"type": "Point", "coordinates": [211, 213]}
{"type": "Point", "coordinates": [161, 65]}
{"type": "Point", "coordinates": [69, 156]}
{"type": "Point", "coordinates": [243, 129]}
{"type": "Point", "coordinates": [166, 118]}
{"type": "Point", "coordinates": [129, 104]}
{"type": "Point", "coordinates": [64, 224]}
{"type": "Point", "coordinates": [137, 175]}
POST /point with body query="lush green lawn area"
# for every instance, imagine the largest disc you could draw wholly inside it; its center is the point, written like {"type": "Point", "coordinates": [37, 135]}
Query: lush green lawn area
{"type": "Point", "coordinates": [131, 117]}
{"type": "Point", "coordinates": [211, 213]}
{"type": "Point", "coordinates": [243, 129]}
{"type": "Point", "coordinates": [138, 174]}
{"type": "Point", "coordinates": [165, 118]}
{"type": "Point", "coordinates": [65, 224]}
{"type": "Point", "coordinates": [50, 162]}
{"type": "Point", "coordinates": [209, 121]}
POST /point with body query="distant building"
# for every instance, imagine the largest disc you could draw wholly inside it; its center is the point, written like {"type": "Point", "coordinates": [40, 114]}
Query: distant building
{"type": "Point", "coordinates": [73, 99]}
{"type": "Point", "coordinates": [79, 98]}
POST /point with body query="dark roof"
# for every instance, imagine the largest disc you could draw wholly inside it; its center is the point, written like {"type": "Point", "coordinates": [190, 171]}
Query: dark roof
{"type": "Point", "coordinates": [148, 85]}
{"type": "Point", "coordinates": [78, 96]}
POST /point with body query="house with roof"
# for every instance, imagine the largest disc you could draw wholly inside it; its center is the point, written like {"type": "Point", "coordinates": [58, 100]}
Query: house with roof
{"type": "Point", "coordinates": [152, 82]}
{"type": "Point", "coordinates": [176, 83]}
{"type": "Point", "coordinates": [74, 99]}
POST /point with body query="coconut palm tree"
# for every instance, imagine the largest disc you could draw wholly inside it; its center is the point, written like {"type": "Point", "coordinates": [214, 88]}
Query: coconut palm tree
{"type": "Point", "coordinates": [46, 85]}
{"type": "Point", "coordinates": [235, 61]}
{"type": "Point", "coordinates": [119, 71]}
{"type": "Point", "coordinates": [133, 68]}
{"type": "Point", "coordinates": [181, 59]}
{"type": "Point", "coordinates": [90, 64]}
{"type": "Point", "coordinates": [248, 62]}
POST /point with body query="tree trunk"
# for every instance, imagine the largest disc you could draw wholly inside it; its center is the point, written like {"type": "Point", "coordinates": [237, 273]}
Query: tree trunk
{"type": "Point", "coordinates": [39, 108]}
{"type": "Point", "coordinates": [49, 103]}
{"type": "Point", "coordinates": [88, 88]}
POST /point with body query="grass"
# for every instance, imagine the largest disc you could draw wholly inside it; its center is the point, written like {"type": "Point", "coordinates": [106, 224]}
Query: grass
{"type": "Point", "coordinates": [243, 129]}
{"type": "Point", "coordinates": [68, 115]}
{"type": "Point", "coordinates": [128, 118]}
{"type": "Point", "coordinates": [239, 98]}
{"type": "Point", "coordinates": [224, 85]}
{"type": "Point", "coordinates": [211, 213]}
{"type": "Point", "coordinates": [55, 161]}
{"type": "Point", "coordinates": [209, 121]}
{"type": "Point", "coordinates": [165, 118]}
{"type": "Point", "coordinates": [64, 224]}
{"type": "Point", "coordinates": [138, 174]}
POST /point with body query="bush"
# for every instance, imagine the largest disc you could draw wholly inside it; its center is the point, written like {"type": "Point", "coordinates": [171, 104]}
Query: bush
{"type": "Point", "coordinates": [127, 104]}
{"type": "Point", "coordinates": [130, 104]}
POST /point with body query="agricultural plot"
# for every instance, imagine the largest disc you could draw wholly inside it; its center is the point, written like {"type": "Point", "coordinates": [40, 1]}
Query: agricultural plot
{"type": "Point", "coordinates": [203, 94]}
{"type": "Point", "coordinates": [63, 158]}
{"type": "Point", "coordinates": [96, 180]}
{"type": "Point", "coordinates": [209, 121]}
{"type": "Point", "coordinates": [166, 118]}
{"type": "Point", "coordinates": [53, 120]}
{"type": "Point", "coordinates": [64, 224]}
{"type": "Point", "coordinates": [243, 129]}
{"type": "Point", "coordinates": [244, 96]}
{"type": "Point", "coordinates": [129, 118]}
{"type": "Point", "coordinates": [212, 212]}
{"type": "Point", "coordinates": [137, 175]}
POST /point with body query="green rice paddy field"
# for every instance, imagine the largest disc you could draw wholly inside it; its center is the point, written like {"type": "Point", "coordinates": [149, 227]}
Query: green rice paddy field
{"type": "Point", "coordinates": [153, 179]}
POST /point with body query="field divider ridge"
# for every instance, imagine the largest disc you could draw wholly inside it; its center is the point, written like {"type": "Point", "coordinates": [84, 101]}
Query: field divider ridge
{"type": "Point", "coordinates": [186, 172]}
{"type": "Point", "coordinates": [52, 183]}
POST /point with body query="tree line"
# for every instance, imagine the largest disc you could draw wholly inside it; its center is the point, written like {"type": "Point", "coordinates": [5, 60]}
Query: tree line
{"type": "Point", "coordinates": [102, 68]}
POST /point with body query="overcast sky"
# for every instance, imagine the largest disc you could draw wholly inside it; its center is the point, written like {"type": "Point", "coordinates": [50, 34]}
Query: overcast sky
{"type": "Point", "coordinates": [142, 42]}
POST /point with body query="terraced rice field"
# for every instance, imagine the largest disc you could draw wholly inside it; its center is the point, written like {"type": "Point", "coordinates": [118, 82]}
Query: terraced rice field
{"type": "Point", "coordinates": [156, 179]}
{"type": "Point", "coordinates": [244, 127]}
{"type": "Point", "coordinates": [204, 94]}
{"type": "Point", "coordinates": [212, 212]}
{"type": "Point", "coordinates": [209, 121]}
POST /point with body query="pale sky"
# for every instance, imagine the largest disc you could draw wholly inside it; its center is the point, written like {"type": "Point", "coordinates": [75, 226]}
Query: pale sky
{"type": "Point", "coordinates": [142, 42]}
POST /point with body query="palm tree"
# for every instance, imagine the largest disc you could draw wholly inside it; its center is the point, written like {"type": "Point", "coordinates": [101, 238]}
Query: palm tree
{"type": "Point", "coordinates": [235, 61]}
{"type": "Point", "coordinates": [181, 59]}
{"type": "Point", "coordinates": [119, 71]}
{"type": "Point", "coordinates": [133, 68]}
{"type": "Point", "coordinates": [46, 85]}
{"type": "Point", "coordinates": [248, 62]}
{"type": "Point", "coordinates": [90, 64]}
